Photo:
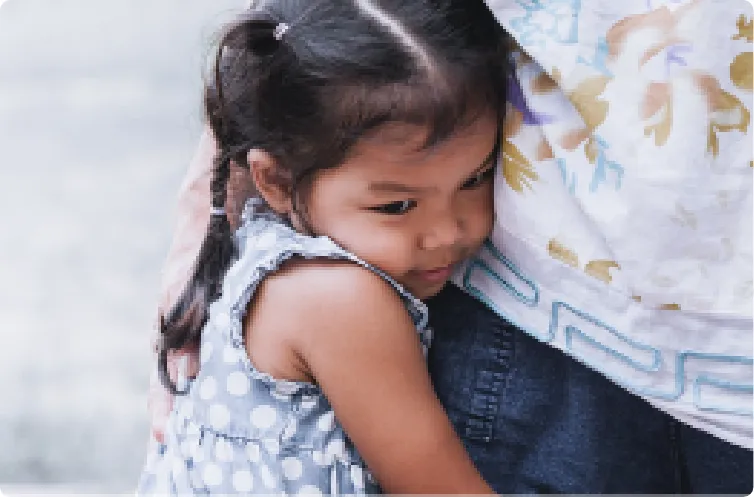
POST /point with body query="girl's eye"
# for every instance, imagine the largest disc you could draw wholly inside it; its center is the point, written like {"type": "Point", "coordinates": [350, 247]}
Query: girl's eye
{"type": "Point", "coordinates": [479, 179]}
{"type": "Point", "coordinates": [394, 208]}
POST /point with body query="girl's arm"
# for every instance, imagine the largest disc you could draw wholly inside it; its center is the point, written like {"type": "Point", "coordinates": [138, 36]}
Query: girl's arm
{"type": "Point", "coordinates": [354, 337]}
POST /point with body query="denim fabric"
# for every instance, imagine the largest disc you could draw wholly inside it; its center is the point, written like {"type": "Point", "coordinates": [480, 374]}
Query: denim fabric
{"type": "Point", "coordinates": [537, 421]}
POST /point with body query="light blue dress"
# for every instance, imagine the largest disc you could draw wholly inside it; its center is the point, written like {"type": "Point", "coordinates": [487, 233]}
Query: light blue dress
{"type": "Point", "coordinates": [240, 431]}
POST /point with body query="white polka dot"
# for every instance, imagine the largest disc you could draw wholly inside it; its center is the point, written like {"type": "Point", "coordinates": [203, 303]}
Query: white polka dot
{"type": "Point", "coordinates": [230, 355]}
{"type": "Point", "coordinates": [219, 416]}
{"type": "Point", "coordinates": [187, 448]}
{"type": "Point", "coordinates": [266, 475]}
{"type": "Point", "coordinates": [208, 388]}
{"type": "Point", "coordinates": [187, 409]}
{"type": "Point", "coordinates": [237, 384]}
{"type": "Point", "coordinates": [292, 468]}
{"type": "Point", "coordinates": [326, 422]}
{"type": "Point", "coordinates": [272, 446]}
{"type": "Point", "coordinates": [197, 453]}
{"type": "Point", "coordinates": [222, 320]}
{"type": "Point", "coordinates": [212, 475]}
{"type": "Point", "coordinates": [178, 466]}
{"type": "Point", "coordinates": [265, 241]}
{"type": "Point", "coordinates": [336, 449]}
{"type": "Point", "coordinates": [252, 452]}
{"type": "Point", "coordinates": [320, 458]}
{"type": "Point", "coordinates": [162, 486]}
{"type": "Point", "coordinates": [357, 476]}
{"type": "Point", "coordinates": [243, 481]}
{"type": "Point", "coordinates": [192, 430]}
{"type": "Point", "coordinates": [309, 490]}
{"type": "Point", "coordinates": [206, 352]}
{"type": "Point", "coordinates": [223, 450]}
{"type": "Point", "coordinates": [263, 417]}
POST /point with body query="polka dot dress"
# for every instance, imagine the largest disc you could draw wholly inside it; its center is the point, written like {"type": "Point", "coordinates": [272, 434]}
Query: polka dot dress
{"type": "Point", "coordinates": [240, 431]}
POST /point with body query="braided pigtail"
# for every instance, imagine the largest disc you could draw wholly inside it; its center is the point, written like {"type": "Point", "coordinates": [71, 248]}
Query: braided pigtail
{"type": "Point", "coordinates": [183, 325]}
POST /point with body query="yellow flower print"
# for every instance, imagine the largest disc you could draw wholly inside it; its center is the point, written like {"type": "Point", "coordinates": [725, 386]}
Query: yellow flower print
{"type": "Point", "coordinates": [742, 70]}
{"type": "Point", "coordinates": [727, 113]}
{"type": "Point", "coordinates": [591, 150]}
{"type": "Point", "coordinates": [745, 29]}
{"type": "Point", "coordinates": [661, 307]}
{"type": "Point", "coordinates": [543, 83]}
{"type": "Point", "coordinates": [562, 253]}
{"type": "Point", "coordinates": [518, 171]}
{"type": "Point", "coordinates": [669, 307]}
{"type": "Point", "coordinates": [593, 110]}
{"type": "Point", "coordinates": [600, 269]}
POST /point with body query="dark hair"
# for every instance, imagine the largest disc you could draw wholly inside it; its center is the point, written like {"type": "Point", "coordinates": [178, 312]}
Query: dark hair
{"type": "Point", "coordinates": [340, 70]}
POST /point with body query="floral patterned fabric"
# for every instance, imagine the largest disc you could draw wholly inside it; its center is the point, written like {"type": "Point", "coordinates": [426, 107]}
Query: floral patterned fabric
{"type": "Point", "coordinates": [624, 203]}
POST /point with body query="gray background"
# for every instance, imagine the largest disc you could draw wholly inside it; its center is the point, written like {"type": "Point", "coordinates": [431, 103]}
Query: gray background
{"type": "Point", "coordinates": [99, 117]}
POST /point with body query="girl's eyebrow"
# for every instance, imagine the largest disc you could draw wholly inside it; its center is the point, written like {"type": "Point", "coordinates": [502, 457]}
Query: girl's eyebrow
{"type": "Point", "coordinates": [393, 187]}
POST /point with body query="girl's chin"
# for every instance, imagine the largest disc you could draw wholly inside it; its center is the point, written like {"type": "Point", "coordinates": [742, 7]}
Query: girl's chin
{"type": "Point", "coordinates": [429, 291]}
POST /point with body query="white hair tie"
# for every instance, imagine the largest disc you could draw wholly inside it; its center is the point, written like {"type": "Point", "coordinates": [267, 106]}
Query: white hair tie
{"type": "Point", "coordinates": [280, 30]}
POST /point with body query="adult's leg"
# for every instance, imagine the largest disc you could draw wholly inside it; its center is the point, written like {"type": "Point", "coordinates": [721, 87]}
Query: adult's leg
{"type": "Point", "coordinates": [536, 420]}
{"type": "Point", "coordinates": [713, 466]}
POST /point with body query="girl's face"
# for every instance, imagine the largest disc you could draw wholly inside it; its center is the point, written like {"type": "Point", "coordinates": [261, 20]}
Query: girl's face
{"type": "Point", "coordinates": [413, 213]}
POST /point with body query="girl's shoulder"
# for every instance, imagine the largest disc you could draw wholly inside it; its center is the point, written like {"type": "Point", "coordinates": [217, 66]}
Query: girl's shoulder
{"type": "Point", "coordinates": [329, 290]}
{"type": "Point", "coordinates": [307, 269]}
{"type": "Point", "coordinates": [310, 305]}
{"type": "Point", "coordinates": [294, 290]}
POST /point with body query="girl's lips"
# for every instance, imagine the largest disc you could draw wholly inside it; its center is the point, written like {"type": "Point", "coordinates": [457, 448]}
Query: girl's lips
{"type": "Point", "coordinates": [436, 275]}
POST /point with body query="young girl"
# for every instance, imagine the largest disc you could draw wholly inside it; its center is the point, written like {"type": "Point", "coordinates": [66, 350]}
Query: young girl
{"type": "Point", "coordinates": [370, 131]}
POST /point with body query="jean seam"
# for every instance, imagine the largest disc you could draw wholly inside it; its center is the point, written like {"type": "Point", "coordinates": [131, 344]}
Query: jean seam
{"type": "Point", "coordinates": [679, 486]}
{"type": "Point", "coordinates": [488, 389]}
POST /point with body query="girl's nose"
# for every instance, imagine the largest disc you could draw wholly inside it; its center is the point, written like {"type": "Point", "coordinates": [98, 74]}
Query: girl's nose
{"type": "Point", "coordinates": [441, 233]}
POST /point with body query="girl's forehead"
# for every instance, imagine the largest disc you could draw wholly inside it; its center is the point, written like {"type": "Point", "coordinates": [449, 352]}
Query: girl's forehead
{"type": "Point", "coordinates": [399, 155]}
{"type": "Point", "coordinates": [405, 143]}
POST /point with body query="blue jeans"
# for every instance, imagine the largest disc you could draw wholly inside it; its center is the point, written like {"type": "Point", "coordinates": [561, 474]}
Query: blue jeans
{"type": "Point", "coordinates": [537, 421]}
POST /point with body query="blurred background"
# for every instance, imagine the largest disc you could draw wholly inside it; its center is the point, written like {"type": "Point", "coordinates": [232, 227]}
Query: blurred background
{"type": "Point", "coordinates": [99, 117]}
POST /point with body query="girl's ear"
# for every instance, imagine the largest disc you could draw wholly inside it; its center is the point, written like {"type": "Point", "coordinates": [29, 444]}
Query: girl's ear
{"type": "Point", "coordinates": [272, 182]}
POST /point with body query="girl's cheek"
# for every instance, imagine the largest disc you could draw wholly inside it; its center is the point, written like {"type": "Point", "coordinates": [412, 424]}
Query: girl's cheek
{"type": "Point", "coordinates": [391, 252]}
{"type": "Point", "coordinates": [480, 220]}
